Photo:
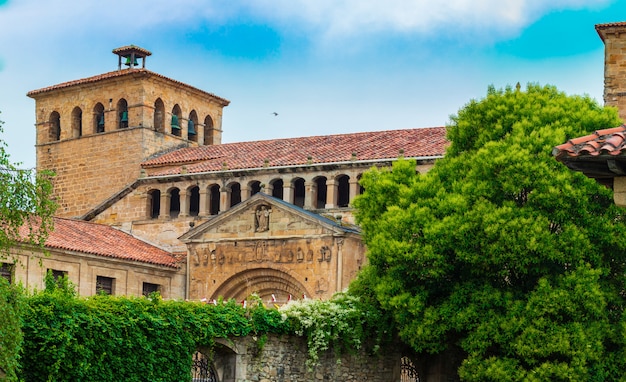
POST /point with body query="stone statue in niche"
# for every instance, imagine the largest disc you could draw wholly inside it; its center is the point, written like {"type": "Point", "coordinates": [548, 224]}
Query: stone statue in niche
{"type": "Point", "coordinates": [195, 256]}
{"type": "Point", "coordinates": [299, 255]}
{"type": "Point", "coordinates": [205, 256]}
{"type": "Point", "coordinates": [325, 254]}
{"type": "Point", "coordinates": [321, 286]}
{"type": "Point", "coordinates": [260, 250]}
{"type": "Point", "coordinates": [262, 215]}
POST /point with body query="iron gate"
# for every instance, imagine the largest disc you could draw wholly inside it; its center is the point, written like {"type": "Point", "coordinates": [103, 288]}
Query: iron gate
{"type": "Point", "coordinates": [408, 371]}
{"type": "Point", "coordinates": [202, 370]}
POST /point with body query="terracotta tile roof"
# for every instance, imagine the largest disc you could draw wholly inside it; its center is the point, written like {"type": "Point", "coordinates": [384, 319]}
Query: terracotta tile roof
{"type": "Point", "coordinates": [131, 48]}
{"type": "Point", "coordinates": [102, 240]}
{"type": "Point", "coordinates": [600, 28]}
{"type": "Point", "coordinates": [609, 142]}
{"type": "Point", "coordinates": [115, 74]}
{"type": "Point", "coordinates": [366, 146]}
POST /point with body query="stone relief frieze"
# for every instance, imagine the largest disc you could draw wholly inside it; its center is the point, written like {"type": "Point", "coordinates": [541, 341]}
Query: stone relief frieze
{"type": "Point", "coordinates": [259, 251]}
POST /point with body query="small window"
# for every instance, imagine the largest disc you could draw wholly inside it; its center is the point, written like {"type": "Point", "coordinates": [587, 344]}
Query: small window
{"type": "Point", "coordinates": [57, 274]}
{"type": "Point", "coordinates": [149, 288]}
{"type": "Point", "coordinates": [104, 285]}
{"type": "Point", "coordinates": [6, 271]}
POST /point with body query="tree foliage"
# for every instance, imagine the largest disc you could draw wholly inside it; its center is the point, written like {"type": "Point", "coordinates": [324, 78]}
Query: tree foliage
{"type": "Point", "coordinates": [25, 202]}
{"type": "Point", "coordinates": [500, 250]}
{"type": "Point", "coordinates": [26, 211]}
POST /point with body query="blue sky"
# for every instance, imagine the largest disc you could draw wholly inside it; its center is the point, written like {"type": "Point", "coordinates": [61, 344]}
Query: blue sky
{"type": "Point", "coordinates": [325, 66]}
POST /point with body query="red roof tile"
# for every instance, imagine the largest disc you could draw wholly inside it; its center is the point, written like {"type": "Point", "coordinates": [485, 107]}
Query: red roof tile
{"type": "Point", "coordinates": [102, 240]}
{"type": "Point", "coordinates": [366, 146]}
{"type": "Point", "coordinates": [114, 74]}
{"type": "Point", "coordinates": [603, 142]}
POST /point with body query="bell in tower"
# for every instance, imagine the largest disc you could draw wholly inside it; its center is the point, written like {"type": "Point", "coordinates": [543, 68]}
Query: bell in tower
{"type": "Point", "coordinates": [131, 55]}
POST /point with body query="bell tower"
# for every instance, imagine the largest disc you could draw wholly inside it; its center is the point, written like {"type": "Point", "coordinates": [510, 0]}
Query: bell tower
{"type": "Point", "coordinates": [95, 132]}
{"type": "Point", "coordinates": [614, 37]}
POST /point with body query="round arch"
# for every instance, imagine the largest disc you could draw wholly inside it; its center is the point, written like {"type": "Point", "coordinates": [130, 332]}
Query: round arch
{"type": "Point", "coordinates": [262, 281]}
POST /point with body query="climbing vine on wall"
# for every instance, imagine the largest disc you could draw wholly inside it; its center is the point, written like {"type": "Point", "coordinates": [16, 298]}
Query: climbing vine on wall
{"type": "Point", "coordinates": [105, 338]}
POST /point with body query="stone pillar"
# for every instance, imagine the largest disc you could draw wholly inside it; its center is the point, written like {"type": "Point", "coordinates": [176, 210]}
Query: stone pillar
{"type": "Point", "coordinates": [339, 257]}
{"type": "Point", "coordinates": [331, 193]}
{"type": "Point", "coordinates": [310, 195]}
{"type": "Point", "coordinates": [184, 203]}
{"type": "Point", "coordinates": [614, 37]}
{"type": "Point", "coordinates": [224, 199]}
{"type": "Point", "coordinates": [354, 189]}
{"type": "Point", "coordinates": [619, 191]}
{"type": "Point", "coordinates": [164, 213]}
{"type": "Point", "coordinates": [288, 192]}
{"type": "Point", "coordinates": [204, 202]}
{"type": "Point", "coordinates": [245, 192]}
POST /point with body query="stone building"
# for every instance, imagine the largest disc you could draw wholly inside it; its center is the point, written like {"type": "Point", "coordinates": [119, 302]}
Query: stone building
{"type": "Point", "coordinates": [602, 155]}
{"type": "Point", "coordinates": [137, 152]}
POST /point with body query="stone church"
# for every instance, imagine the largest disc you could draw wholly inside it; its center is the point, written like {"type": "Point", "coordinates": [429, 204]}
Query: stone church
{"type": "Point", "coordinates": [150, 199]}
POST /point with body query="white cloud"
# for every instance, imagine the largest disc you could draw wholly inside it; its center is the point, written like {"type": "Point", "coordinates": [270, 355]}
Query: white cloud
{"type": "Point", "coordinates": [336, 18]}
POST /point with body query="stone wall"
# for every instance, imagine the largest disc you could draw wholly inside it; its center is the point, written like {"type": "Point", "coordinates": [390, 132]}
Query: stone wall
{"type": "Point", "coordinates": [614, 38]}
{"type": "Point", "coordinates": [283, 359]}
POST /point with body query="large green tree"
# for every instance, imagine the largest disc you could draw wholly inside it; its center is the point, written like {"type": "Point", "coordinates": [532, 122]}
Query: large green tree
{"type": "Point", "coordinates": [26, 210]}
{"type": "Point", "coordinates": [500, 254]}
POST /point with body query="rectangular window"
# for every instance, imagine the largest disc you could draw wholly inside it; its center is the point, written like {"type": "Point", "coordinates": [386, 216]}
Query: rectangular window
{"type": "Point", "coordinates": [57, 274]}
{"type": "Point", "coordinates": [6, 271]}
{"type": "Point", "coordinates": [105, 285]}
{"type": "Point", "coordinates": [149, 288]}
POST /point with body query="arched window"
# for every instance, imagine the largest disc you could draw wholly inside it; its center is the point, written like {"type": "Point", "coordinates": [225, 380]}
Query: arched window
{"type": "Point", "coordinates": [192, 126]}
{"type": "Point", "coordinates": [176, 119]}
{"type": "Point", "coordinates": [361, 188]}
{"type": "Point", "coordinates": [154, 204]}
{"type": "Point", "coordinates": [98, 121]}
{"type": "Point", "coordinates": [277, 188]}
{"type": "Point", "coordinates": [194, 201]}
{"type": "Point", "coordinates": [159, 115]}
{"type": "Point", "coordinates": [235, 193]}
{"type": "Point", "coordinates": [77, 122]}
{"type": "Point", "coordinates": [122, 113]}
{"type": "Point", "coordinates": [214, 199]}
{"type": "Point", "coordinates": [54, 132]}
{"type": "Point", "coordinates": [208, 130]}
{"type": "Point", "coordinates": [343, 190]}
{"type": "Point", "coordinates": [299, 191]}
{"type": "Point", "coordinates": [174, 202]}
{"type": "Point", "coordinates": [320, 197]}
{"type": "Point", "coordinates": [255, 187]}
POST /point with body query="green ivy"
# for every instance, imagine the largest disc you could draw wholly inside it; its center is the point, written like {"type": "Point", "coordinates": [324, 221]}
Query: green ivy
{"type": "Point", "coordinates": [11, 303]}
{"type": "Point", "coordinates": [108, 338]}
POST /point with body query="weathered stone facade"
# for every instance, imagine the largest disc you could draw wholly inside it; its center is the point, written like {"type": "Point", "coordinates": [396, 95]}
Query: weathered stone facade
{"type": "Point", "coordinates": [94, 132]}
{"type": "Point", "coordinates": [271, 248]}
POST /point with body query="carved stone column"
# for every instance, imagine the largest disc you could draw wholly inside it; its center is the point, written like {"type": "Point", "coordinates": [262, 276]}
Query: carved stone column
{"type": "Point", "coordinates": [164, 213]}
{"type": "Point", "coordinates": [245, 191]}
{"type": "Point", "coordinates": [288, 192]}
{"type": "Point", "coordinates": [184, 203]}
{"type": "Point", "coordinates": [331, 193]}
{"type": "Point", "coordinates": [354, 189]}
{"type": "Point", "coordinates": [224, 199]}
{"type": "Point", "coordinates": [310, 195]}
{"type": "Point", "coordinates": [204, 202]}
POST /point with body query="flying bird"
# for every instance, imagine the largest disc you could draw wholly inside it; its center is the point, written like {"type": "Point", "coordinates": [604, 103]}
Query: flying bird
{"type": "Point", "coordinates": [275, 114]}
